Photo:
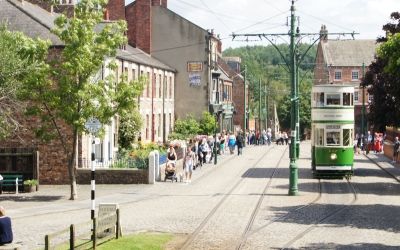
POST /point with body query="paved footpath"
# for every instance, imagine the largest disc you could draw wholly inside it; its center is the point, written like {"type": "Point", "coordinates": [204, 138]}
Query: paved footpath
{"type": "Point", "coordinates": [182, 208]}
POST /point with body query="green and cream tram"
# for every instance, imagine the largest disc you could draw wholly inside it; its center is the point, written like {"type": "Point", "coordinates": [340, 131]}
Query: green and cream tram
{"type": "Point", "coordinates": [332, 124]}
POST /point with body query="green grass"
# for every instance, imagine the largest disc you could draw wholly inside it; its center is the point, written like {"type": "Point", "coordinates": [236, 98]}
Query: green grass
{"type": "Point", "coordinates": [148, 241]}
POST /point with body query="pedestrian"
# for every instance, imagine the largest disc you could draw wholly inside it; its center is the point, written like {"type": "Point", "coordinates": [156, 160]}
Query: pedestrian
{"type": "Point", "coordinates": [231, 143]}
{"type": "Point", "coordinates": [285, 138]}
{"type": "Point", "coordinates": [171, 159]}
{"type": "Point", "coordinates": [396, 148]}
{"type": "Point", "coordinates": [239, 142]}
{"type": "Point", "coordinates": [204, 148]}
{"type": "Point", "coordinates": [188, 165]}
{"type": "Point", "coordinates": [222, 144]}
{"type": "Point", "coordinates": [6, 234]}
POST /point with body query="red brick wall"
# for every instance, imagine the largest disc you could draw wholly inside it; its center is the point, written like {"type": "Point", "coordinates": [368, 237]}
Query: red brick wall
{"type": "Point", "coordinates": [321, 75]}
{"type": "Point", "coordinates": [138, 17]}
{"type": "Point", "coordinates": [43, 4]}
{"type": "Point", "coordinates": [238, 93]}
{"type": "Point", "coordinates": [116, 9]}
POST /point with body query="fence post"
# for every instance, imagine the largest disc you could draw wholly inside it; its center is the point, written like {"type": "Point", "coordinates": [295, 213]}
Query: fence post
{"type": "Point", "coordinates": [16, 185]}
{"type": "Point", "coordinates": [157, 166]}
{"type": "Point", "coordinates": [46, 242]}
{"type": "Point", "coordinates": [94, 234]}
{"type": "Point", "coordinates": [152, 167]}
{"type": "Point", "coordinates": [72, 237]}
{"type": "Point", "coordinates": [117, 231]}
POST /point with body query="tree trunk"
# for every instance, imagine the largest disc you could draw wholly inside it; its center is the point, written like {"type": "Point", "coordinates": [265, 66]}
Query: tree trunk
{"type": "Point", "coordinates": [71, 167]}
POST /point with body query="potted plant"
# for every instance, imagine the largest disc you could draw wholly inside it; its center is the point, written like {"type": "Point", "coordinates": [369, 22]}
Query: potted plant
{"type": "Point", "coordinates": [30, 185]}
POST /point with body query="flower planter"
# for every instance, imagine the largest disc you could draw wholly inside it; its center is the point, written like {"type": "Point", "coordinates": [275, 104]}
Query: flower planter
{"type": "Point", "coordinates": [29, 188]}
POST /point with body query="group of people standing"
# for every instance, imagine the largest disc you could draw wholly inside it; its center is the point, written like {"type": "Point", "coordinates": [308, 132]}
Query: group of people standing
{"type": "Point", "coordinates": [369, 142]}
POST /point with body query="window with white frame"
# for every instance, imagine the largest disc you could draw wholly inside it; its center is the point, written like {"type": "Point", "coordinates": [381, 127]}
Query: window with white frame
{"type": "Point", "coordinates": [370, 98]}
{"type": "Point", "coordinates": [354, 75]}
{"type": "Point", "coordinates": [338, 75]}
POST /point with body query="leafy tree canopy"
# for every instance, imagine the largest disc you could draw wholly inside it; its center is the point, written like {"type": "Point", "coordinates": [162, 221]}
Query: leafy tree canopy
{"type": "Point", "coordinates": [21, 60]}
{"type": "Point", "coordinates": [84, 83]}
{"type": "Point", "coordinates": [383, 80]}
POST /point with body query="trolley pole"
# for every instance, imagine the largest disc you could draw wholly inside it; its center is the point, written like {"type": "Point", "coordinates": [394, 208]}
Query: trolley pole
{"type": "Point", "coordinates": [293, 169]}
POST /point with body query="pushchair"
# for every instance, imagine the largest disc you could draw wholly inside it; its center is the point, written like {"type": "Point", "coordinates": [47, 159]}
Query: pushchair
{"type": "Point", "coordinates": [170, 173]}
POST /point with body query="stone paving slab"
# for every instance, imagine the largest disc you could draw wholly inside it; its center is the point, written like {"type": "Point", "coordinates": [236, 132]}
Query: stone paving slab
{"type": "Point", "coordinates": [180, 207]}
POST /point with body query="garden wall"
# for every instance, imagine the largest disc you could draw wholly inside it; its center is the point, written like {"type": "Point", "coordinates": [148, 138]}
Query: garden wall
{"type": "Point", "coordinates": [114, 176]}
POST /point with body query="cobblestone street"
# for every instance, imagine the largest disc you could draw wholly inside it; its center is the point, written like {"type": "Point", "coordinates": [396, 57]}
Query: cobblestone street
{"type": "Point", "coordinates": [241, 203]}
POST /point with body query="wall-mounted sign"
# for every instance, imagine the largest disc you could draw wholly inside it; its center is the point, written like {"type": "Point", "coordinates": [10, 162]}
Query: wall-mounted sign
{"type": "Point", "coordinates": [194, 79]}
{"type": "Point", "coordinates": [195, 66]}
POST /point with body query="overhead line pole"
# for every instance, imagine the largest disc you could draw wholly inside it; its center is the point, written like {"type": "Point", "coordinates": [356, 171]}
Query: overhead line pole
{"type": "Point", "coordinates": [292, 65]}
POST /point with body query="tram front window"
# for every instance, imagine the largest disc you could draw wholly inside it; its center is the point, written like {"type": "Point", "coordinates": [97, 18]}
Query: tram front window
{"type": "Point", "coordinates": [333, 138]}
{"type": "Point", "coordinates": [333, 99]}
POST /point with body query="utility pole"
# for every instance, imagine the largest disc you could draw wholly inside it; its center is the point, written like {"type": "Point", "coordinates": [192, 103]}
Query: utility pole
{"type": "Point", "coordinates": [259, 105]}
{"type": "Point", "coordinates": [266, 106]}
{"type": "Point", "coordinates": [244, 102]}
{"type": "Point", "coordinates": [293, 190]}
{"type": "Point", "coordinates": [292, 65]}
{"type": "Point", "coordinates": [363, 104]}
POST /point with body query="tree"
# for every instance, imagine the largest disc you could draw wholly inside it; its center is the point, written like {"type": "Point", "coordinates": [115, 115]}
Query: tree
{"type": "Point", "coordinates": [78, 92]}
{"type": "Point", "coordinates": [383, 80]}
{"type": "Point", "coordinates": [207, 123]}
{"type": "Point", "coordinates": [21, 59]}
{"type": "Point", "coordinates": [185, 128]}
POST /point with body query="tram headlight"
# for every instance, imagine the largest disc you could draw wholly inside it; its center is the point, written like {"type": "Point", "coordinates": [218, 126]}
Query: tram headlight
{"type": "Point", "coordinates": [333, 156]}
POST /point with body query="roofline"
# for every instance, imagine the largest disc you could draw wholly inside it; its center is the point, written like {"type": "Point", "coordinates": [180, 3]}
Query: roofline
{"type": "Point", "coordinates": [146, 64]}
{"type": "Point", "coordinates": [27, 13]}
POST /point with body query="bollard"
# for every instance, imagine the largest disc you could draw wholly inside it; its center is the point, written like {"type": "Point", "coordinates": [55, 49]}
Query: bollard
{"type": "Point", "coordinates": [152, 167]}
{"type": "Point", "coordinates": [157, 171]}
{"type": "Point", "coordinates": [16, 185]}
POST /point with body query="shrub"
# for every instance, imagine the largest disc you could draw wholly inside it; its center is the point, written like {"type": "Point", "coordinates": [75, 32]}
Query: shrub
{"type": "Point", "coordinates": [32, 182]}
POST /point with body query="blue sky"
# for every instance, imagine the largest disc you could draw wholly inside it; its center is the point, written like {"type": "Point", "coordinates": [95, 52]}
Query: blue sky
{"type": "Point", "coordinates": [269, 16]}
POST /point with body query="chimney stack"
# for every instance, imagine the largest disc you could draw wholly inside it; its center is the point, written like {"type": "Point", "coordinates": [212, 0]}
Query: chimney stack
{"type": "Point", "coordinates": [323, 33]}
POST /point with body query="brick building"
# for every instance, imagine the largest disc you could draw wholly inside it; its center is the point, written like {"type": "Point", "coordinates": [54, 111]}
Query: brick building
{"type": "Point", "coordinates": [182, 45]}
{"type": "Point", "coordinates": [341, 62]}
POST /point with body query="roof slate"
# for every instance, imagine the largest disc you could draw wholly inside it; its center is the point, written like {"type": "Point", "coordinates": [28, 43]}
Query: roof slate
{"type": "Point", "coordinates": [349, 52]}
{"type": "Point", "coordinates": [28, 18]}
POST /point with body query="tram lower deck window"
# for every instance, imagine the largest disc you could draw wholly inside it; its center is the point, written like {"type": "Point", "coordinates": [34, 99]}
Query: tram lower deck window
{"type": "Point", "coordinates": [333, 99]}
{"type": "Point", "coordinates": [347, 135]}
{"type": "Point", "coordinates": [332, 138]}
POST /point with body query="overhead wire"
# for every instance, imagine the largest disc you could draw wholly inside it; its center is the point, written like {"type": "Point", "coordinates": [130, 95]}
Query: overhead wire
{"type": "Point", "coordinates": [216, 15]}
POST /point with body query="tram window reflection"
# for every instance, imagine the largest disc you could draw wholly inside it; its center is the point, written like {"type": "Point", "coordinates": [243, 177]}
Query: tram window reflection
{"type": "Point", "coordinates": [347, 135]}
{"type": "Point", "coordinates": [319, 99]}
{"type": "Point", "coordinates": [333, 99]}
{"type": "Point", "coordinates": [347, 99]}
{"type": "Point", "coordinates": [333, 138]}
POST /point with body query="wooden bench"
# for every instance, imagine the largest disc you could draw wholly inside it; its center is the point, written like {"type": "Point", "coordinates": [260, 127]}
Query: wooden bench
{"type": "Point", "coordinates": [11, 180]}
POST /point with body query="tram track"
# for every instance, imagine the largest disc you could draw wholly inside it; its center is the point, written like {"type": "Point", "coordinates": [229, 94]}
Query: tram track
{"type": "Point", "coordinates": [213, 211]}
{"type": "Point", "coordinates": [324, 218]}
{"type": "Point", "coordinates": [258, 205]}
